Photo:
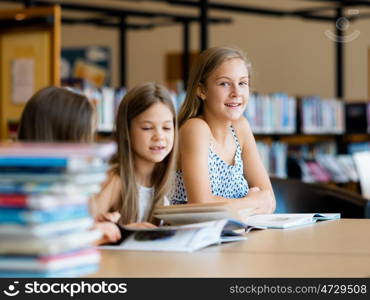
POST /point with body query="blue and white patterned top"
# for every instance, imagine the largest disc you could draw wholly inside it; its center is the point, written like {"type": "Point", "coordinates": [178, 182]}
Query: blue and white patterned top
{"type": "Point", "coordinates": [226, 180]}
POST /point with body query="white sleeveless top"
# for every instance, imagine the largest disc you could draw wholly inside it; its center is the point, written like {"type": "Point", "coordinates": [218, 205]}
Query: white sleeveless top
{"type": "Point", "coordinates": [146, 201]}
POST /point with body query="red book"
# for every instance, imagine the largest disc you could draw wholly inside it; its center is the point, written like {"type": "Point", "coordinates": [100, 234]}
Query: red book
{"type": "Point", "coordinates": [13, 200]}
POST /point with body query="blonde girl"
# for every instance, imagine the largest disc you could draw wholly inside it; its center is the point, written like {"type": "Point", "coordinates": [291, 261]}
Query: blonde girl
{"type": "Point", "coordinates": [218, 157]}
{"type": "Point", "coordinates": [142, 174]}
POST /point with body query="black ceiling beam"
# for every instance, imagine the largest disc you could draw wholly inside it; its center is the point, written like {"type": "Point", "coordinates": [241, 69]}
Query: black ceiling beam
{"type": "Point", "coordinates": [345, 2]}
{"type": "Point", "coordinates": [117, 12]}
{"type": "Point", "coordinates": [357, 17]}
{"type": "Point", "coordinates": [308, 14]}
{"type": "Point", "coordinates": [104, 23]}
{"type": "Point", "coordinates": [314, 10]}
{"type": "Point", "coordinates": [229, 7]}
{"type": "Point", "coordinates": [40, 21]}
{"type": "Point", "coordinates": [318, 18]}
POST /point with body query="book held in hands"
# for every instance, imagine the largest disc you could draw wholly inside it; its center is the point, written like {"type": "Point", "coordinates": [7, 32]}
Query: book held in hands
{"type": "Point", "coordinates": [192, 213]}
{"type": "Point", "coordinates": [184, 238]}
{"type": "Point", "coordinates": [200, 212]}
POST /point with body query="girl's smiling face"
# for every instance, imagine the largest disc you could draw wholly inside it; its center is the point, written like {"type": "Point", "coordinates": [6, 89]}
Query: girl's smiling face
{"type": "Point", "coordinates": [226, 90]}
{"type": "Point", "coordinates": [152, 133]}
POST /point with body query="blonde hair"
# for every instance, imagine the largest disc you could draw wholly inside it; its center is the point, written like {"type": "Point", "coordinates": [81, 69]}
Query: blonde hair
{"type": "Point", "coordinates": [136, 101]}
{"type": "Point", "coordinates": [206, 63]}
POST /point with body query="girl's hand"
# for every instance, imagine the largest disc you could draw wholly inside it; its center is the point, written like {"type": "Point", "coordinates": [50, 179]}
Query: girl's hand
{"type": "Point", "coordinates": [111, 232]}
{"type": "Point", "coordinates": [254, 189]}
{"type": "Point", "coordinates": [110, 217]}
{"type": "Point", "coordinates": [141, 225]}
{"type": "Point", "coordinates": [264, 199]}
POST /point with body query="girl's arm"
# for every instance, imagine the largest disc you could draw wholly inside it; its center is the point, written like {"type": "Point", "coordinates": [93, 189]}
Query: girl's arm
{"type": "Point", "coordinates": [194, 147]}
{"type": "Point", "coordinates": [101, 206]}
{"type": "Point", "coordinates": [108, 197]}
{"type": "Point", "coordinates": [254, 170]}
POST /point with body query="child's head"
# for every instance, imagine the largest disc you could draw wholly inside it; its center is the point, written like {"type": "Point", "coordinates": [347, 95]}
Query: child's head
{"type": "Point", "coordinates": [202, 69]}
{"type": "Point", "coordinates": [146, 132]}
{"type": "Point", "coordinates": [56, 114]}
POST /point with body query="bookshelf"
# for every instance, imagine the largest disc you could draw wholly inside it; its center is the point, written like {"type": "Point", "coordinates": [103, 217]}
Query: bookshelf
{"type": "Point", "coordinates": [29, 59]}
{"type": "Point", "coordinates": [320, 148]}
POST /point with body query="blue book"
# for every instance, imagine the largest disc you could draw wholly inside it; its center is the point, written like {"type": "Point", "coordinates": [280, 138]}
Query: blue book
{"type": "Point", "coordinates": [358, 147]}
{"type": "Point", "coordinates": [15, 164]}
{"type": "Point", "coordinates": [78, 178]}
{"type": "Point", "coordinates": [47, 187]}
{"type": "Point", "coordinates": [14, 161]}
{"type": "Point", "coordinates": [70, 272]}
{"type": "Point", "coordinates": [49, 263]}
{"type": "Point", "coordinates": [27, 216]}
{"type": "Point", "coordinates": [49, 245]}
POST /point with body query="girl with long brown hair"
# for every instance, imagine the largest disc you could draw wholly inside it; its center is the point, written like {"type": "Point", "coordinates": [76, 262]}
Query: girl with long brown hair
{"type": "Point", "coordinates": [55, 114]}
{"type": "Point", "coordinates": [141, 177]}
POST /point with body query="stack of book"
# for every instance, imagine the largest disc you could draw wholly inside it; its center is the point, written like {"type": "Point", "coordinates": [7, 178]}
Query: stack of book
{"type": "Point", "coordinates": [45, 225]}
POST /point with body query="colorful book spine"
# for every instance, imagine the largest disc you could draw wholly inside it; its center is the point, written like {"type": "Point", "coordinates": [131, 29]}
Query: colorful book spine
{"type": "Point", "coordinates": [43, 201]}
{"type": "Point", "coordinates": [271, 114]}
{"type": "Point", "coordinates": [72, 259]}
{"type": "Point", "coordinates": [22, 164]}
{"type": "Point", "coordinates": [45, 223]}
{"type": "Point", "coordinates": [59, 188]}
{"type": "Point", "coordinates": [26, 216]}
{"type": "Point", "coordinates": [63, 150]}
{"type": "Point", "coordinates": [322, 116]}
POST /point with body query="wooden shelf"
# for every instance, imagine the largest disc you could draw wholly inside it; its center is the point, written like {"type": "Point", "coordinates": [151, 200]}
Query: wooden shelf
{"type": "Point", "coordinates": [297, 138]}
{"type": "Point", "coordinates": [356, 137]}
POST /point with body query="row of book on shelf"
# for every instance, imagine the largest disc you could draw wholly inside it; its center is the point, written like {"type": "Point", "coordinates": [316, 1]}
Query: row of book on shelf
{"type": "Point", "coordinates": [279, 113]}
{"type": "Point", "coordinates": [317, 162]}
{"type": "Point", "coordinates": [276, 113]}
{"type": "Point", "coordinates": [45, 224]}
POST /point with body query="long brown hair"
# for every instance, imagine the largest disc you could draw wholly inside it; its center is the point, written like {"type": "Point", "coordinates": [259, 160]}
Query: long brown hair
{"type": "Point", "coordinates": [56, 114]}
{"type": "Point", "coordinates": [136, 101]}
{"type": "Point", "coordinates": [204, 65]}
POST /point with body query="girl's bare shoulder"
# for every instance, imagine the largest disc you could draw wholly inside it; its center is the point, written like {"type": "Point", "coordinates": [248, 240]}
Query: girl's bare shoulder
{"type": "Point", "coordinates": [195, 125]}
{"type": "Point", "coordinates": [194, 134]}
{"type": "Point", "coordinates": [242, 130]}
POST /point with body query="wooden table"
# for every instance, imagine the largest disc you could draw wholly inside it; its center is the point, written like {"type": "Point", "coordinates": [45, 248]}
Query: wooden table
{"type": "Point", "coordinates": [338, 248]}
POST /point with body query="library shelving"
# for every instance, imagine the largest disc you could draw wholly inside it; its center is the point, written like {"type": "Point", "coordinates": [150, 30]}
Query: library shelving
{"type": "Point", "coordinates": [320, 144]}
{"type": "Point", "coordinates": [29, 59]}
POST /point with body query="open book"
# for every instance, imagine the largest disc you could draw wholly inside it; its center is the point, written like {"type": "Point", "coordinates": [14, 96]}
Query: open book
{"type": "Point", "coordinates": [192, 213]}
{"type": "Point", "coordinates": [281, 221]}
{"type": "Point", "coordinates": [186, 238]}
{"type": "Point", "coordinates": [362, 159]}
{"type": "Point", "coordinates": [200, 212]}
